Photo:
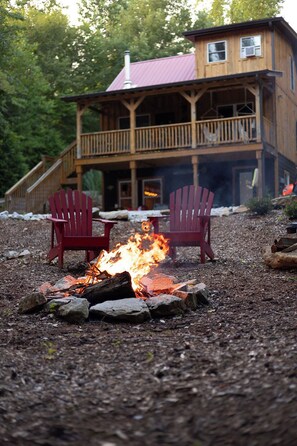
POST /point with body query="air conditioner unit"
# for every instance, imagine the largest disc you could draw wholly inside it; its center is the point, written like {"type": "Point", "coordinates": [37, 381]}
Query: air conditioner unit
{"type": "Point", "coordinates": [249, 51]}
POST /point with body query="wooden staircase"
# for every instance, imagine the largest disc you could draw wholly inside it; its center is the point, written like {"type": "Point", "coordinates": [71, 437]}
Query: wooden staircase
{"type": "Point", "coordinates": [30, 193]}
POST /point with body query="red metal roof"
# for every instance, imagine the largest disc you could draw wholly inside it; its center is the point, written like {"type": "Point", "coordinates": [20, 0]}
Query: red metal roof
{"type": "Point", "coordinates": [166, 70]}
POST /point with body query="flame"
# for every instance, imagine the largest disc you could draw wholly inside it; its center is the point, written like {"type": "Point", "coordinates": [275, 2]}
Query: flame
{"type": "Point", "coordinates": [138, 256]}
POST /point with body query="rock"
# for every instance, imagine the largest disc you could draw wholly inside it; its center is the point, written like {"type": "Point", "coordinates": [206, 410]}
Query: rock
{"type": "Point", "coordinates": [32, 303]}
{"type": "Point", "coordinates": [4, 215]}
{"type": "Point", "coordinates": [28, 216]}
{"type": "Point", "coordinates": [53, 305]}
{"type": "Point", "coordinates": [279, 259]}
{"type": "Point", "coordinates": [201, 292]}
{"type": "Point", "coordinates": [10, 254]}
{"type": "Point", "coordinates": [165, 305]}
{"type": "Point", "coordinates": [76, 311]}
{"type": "Point", "coordinates": [128, 310]}
{"type": "Point", "coordinates": [190, 299]}
{"type": "Point", "coordinates": [25, 253]}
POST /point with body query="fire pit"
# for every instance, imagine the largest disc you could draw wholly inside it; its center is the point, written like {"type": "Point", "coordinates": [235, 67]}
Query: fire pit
{"type": "Point", "coordinates": [122, 284]}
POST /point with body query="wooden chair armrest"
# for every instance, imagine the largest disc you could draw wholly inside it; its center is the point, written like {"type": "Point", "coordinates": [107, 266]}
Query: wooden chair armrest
{"type": "Point", "coordinates": [108, 225]}
{"type": "Point", "coordinates": [56, 220]}
{"type": "Point", "coordinates": [155, 221]}
{"type": "Point", "coordinates": [112, 222]}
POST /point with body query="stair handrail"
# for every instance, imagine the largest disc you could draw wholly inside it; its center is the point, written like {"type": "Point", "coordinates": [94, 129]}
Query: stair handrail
{"type": "Point", "coordinates": [38, 193]}
{"type": "Point", "coordinates": [18, 190]}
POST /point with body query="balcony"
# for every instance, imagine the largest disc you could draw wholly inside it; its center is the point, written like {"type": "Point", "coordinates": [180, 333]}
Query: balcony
{"type": "Point", "coordinates": [213, 132]}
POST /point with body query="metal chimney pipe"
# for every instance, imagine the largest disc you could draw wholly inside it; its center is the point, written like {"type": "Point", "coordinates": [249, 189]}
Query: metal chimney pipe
{"type": "Point", "coordinates": [127, 83]}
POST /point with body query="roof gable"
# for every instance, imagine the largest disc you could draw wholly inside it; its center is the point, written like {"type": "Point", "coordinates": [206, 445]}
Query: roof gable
{"type": "Point", "coordinates": [161, 71]}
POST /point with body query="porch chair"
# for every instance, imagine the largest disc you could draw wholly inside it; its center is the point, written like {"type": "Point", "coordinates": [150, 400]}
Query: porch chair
{"type": "Point", "coordinates": [243, 134]}
{"type": "Point", "coordinates": [189, 220]}
{"type": "Point", "coordinates": [72, 226]}
{"type": "Point", "coordinates": [211, 137]}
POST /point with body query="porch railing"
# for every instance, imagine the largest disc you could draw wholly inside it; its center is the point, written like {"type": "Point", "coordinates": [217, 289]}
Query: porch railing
{"type": "Point", "coordinates": [226, 131]}
{"type": "Point", "coordinates": [170, 136]}
{"type": "Point", "coordinates": [105, 143]}
{"type": "Point", "coordinates": [210, 132]}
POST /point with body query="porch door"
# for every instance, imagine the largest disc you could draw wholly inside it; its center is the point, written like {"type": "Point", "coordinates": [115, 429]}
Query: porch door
{"type": "Point", "coordinates": [245, 189]}
{"type": "Point", "coordinates": [152, 194]}
{"type": "Point", "coordinates": [242, 185]}
{"type": "Point", "coordinates": [125, 195]}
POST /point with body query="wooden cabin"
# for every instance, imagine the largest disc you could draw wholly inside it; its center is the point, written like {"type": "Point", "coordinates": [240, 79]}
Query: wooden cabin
{"type": "Point", "coordinates": [223, 117]}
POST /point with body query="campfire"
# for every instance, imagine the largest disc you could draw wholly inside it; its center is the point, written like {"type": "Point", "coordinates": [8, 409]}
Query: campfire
{"type": "Point", "coordinates": [138, 257]}
{"type": "Point", "coordinates": [122, 284]}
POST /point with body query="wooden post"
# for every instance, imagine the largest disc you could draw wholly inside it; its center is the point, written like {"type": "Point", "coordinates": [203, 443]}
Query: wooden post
{"type": "Point", "coordinates": [79, 177]}
{"type": "Point", "coordinates": [132, 106]}
{"type": "Point", "coordinates": [258, 107]}
{"type": "Point", "coordinates": [79, 112]}
{"type": "Point", "coordinates": [276, 177]}
{"type": "Point", "coordinates": [192, 99]}
{"type": "Point", "coordinates": [133, 184]}
{"type": "Point", "coordinates": [195, 170]}
{"type": "Point", "coordinates": [259, 154]}
{"type": "Point", "coordinates": [132, 130]}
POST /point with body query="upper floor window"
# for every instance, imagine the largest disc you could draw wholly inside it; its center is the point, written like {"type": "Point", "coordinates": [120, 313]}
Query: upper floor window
{"type": "Point", "coordinates": [250, 46]}
{"type": "Point", "coordinates": [216, 51]}
{"type": "Point", "coordinates": [292, 74]}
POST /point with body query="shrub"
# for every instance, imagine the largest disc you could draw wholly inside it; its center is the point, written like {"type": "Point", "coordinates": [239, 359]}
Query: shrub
{"type": "Point", "coordinates": [260, 206]}
{"type": "Point", "coordinates": [291, 209]}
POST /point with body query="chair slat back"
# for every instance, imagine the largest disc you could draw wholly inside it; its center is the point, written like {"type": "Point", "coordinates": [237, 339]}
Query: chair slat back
{"type": "Point", "coordinates": [76, 208]}
{"type": "Point", "coordinates": [187, 205]}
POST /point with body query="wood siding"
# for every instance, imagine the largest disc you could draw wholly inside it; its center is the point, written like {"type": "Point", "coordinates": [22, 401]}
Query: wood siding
{"type": "Point", "coordinates": [286, 100]}
{"type": "Point", "coordinates": [234, 63]}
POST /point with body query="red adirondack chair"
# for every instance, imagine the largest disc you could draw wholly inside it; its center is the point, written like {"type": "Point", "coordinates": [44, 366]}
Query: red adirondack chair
{"type": "Point", "coordinates": [72, 226]}
{"type": "Point", "coordinates": [189, 219]}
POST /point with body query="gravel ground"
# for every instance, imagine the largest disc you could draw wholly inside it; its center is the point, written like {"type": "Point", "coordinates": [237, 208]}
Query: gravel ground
{"type": "Point", "coordinates": [223, 375]}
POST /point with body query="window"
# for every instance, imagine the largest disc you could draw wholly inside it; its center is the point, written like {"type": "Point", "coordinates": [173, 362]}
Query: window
{"type": "Point", "coordinates": [292, 73]}
{"type": "Point", "coordinates": [125, 194]}
{"type": "Point", "coordinates": [141, 121]}
{"type": "Point", "coordinates": [230, 110]}
{"type": "Point", "coordinates": [216, 51]}
{"type": "Point", "coordinates": [250, 46]}
{"type": "Point", "coordinates": [152, 193]}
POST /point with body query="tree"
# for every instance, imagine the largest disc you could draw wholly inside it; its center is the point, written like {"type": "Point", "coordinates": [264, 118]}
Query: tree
{"type": "Point", "coordinates": [12, 164]}
{"type": "Point", "coordinates": [148, 28]}
{"type": "Point", "coordinates": [234, 11]}
{"type": "Point", "coordinates": [217, 12]}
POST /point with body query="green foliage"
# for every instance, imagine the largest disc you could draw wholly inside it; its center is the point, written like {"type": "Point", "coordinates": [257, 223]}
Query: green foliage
{"type": "Point", "coordinates": [291, 209]}
{"type": "Point", "coordinates": [50, 349]}
{"type": "Point", "coordinates": [260, 206]}
{"type": "Point", "coordinates": [92, 182]}
{"type": "Point", "coordinates": [43, 57]}
{"type": "Point", "coordinates": [234, 11]}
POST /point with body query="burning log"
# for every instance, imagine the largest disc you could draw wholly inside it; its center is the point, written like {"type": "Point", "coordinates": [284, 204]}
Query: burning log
{"type": "Point", "coordinates": [116, 287]}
